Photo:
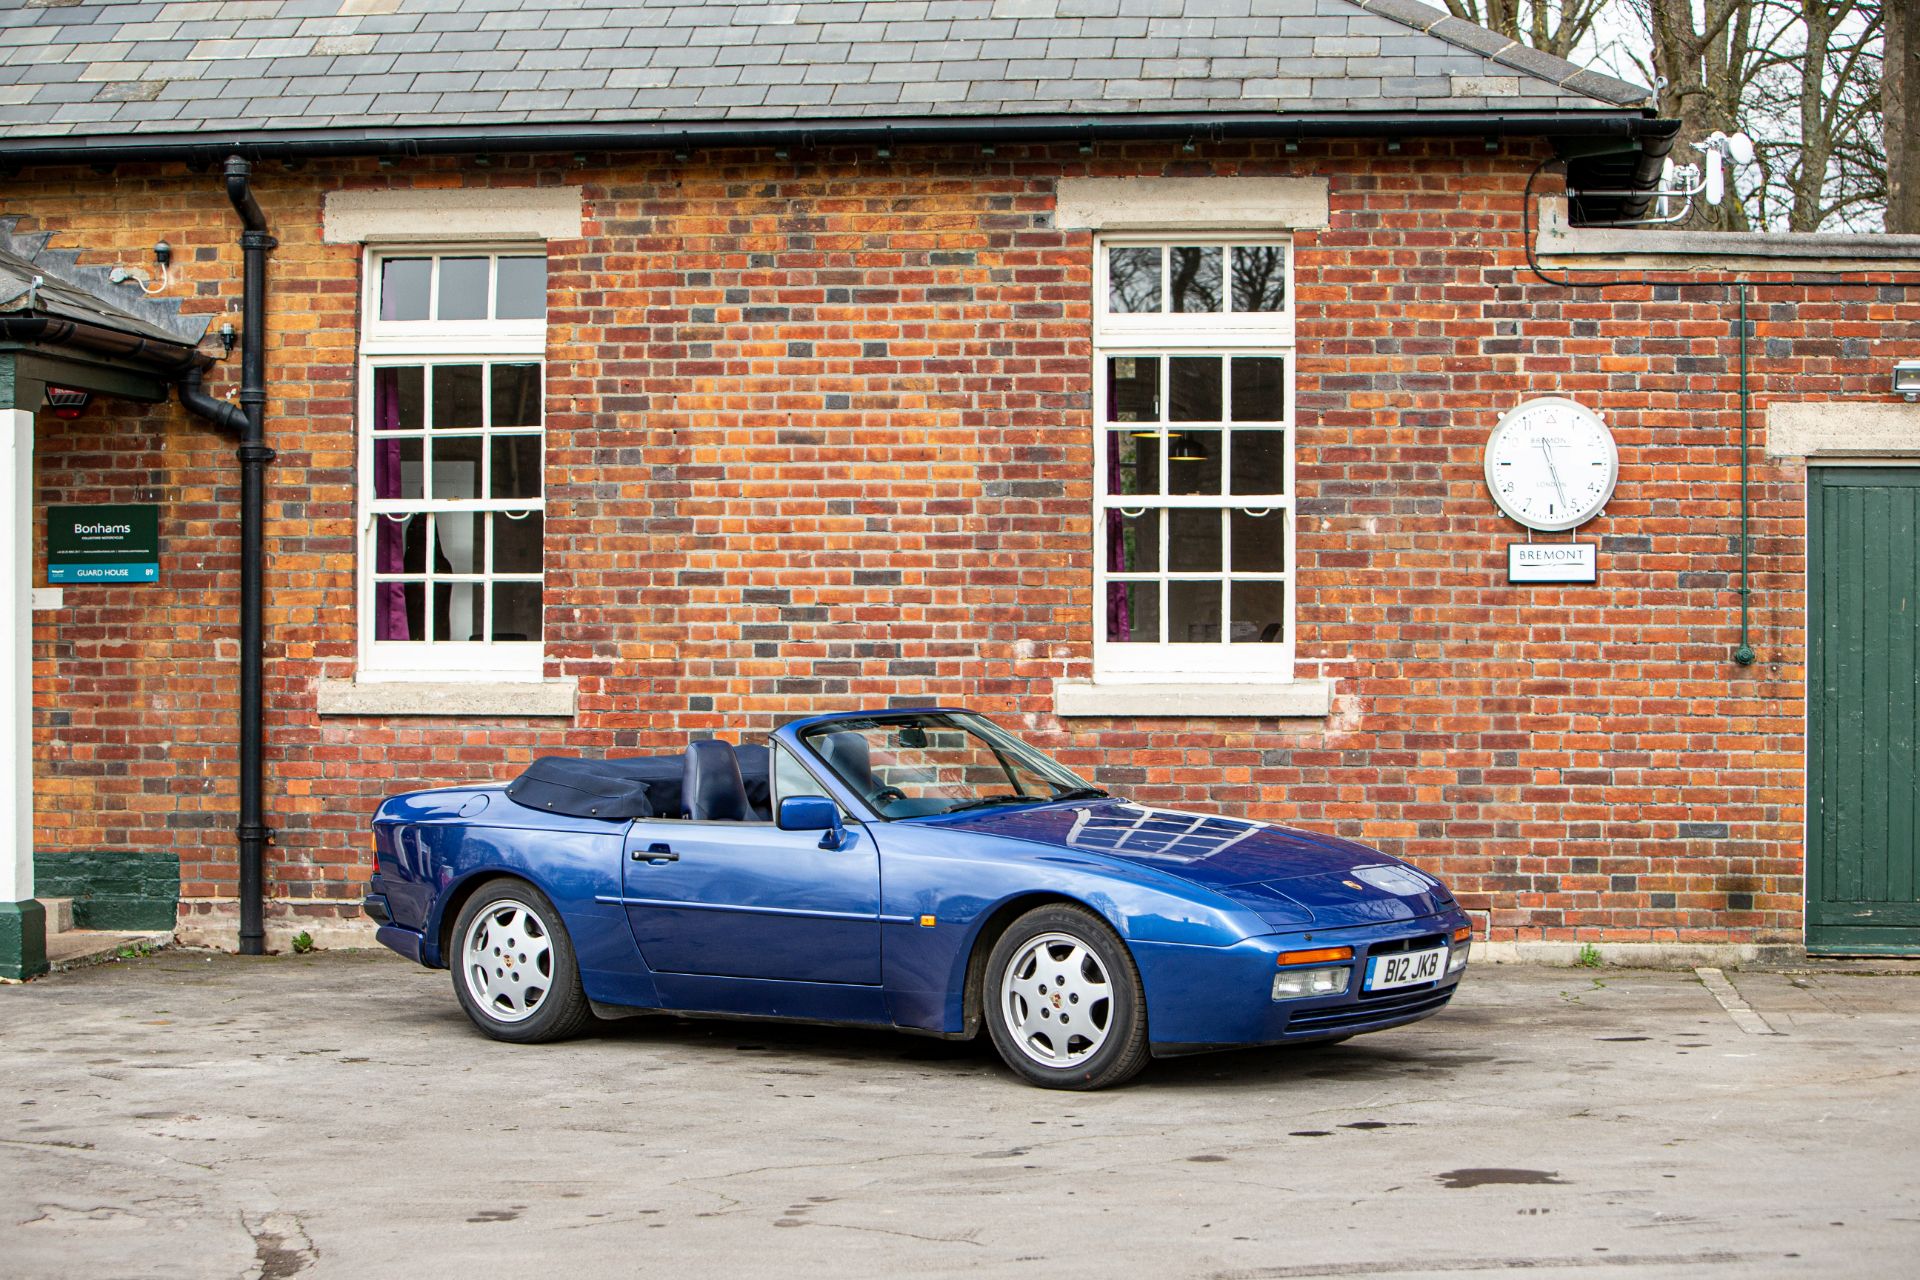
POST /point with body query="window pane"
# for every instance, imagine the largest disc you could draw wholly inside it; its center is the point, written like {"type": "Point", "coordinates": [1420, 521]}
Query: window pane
{"type": "Point", "coordinates": [521, 289]}
{"type": "Point", "coordinates": [1259, 542]}
{"type": "Point", "coordinates": [1196, 389]}
{"type": "Point", "coordinates": [516, 395]}
{"type": "Point", "coordinates": [1133, 389]}
{"type": "Point", "coordinates": [1193, 541]}
{"type": "Point", "coordinates": [1259, 278]}
{"type": "Point", "coordinates": [1193, 612]}
{"type": "Point", "coordinates": [456, 396]}
{"type": "Point", "coordinates": [1133, 612]}
{"type": "Point", "coordinates": [397, 470]}
{"type": "Point", "coordinates": [516, 467]}
{"type": "Point", "coordinates": [456, 548]}
{"type": "Point", "coordinates": [399, 399]}
{"type": "Point", "coordinates": [1193, 462]}
{"type": "Point", "coordinates": [516, 542]}
{"type": "Point", "coordinates": [400, 610]}
{"type": "Point", "coordinates": [790, 777]}
{"type": "Point", "coordinates": [1259, 388]}
{"type": "Point", "coordinates": [1133, 542]}
{"type": "Point", "coordinates": [1259, 612]}
{"type": "Point", "coordinates": [1133, 279]}
{"type": "Point", "coordinates": [456, 467]}
{"type": "Point", "coordinates": [516, 611]}
{"type": "Point", "coordinates": [456, 610]}
{"type": "Point", "coordinates": [1259, 462]}
{"type": "Point", "coordinates": [400, 544]}
{"type": "Point", "coordinates": [403, 288]}
{"type": "Point", "coordinates": [1194, 278]}
{"type": "Point", "coordinates": [463, 288]}
{"type": "Point", "coordinates": [1133, 462]}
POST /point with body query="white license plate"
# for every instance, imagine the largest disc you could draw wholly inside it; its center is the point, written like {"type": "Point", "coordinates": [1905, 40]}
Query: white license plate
{"type": "Point", "coordinates": [1407, 969]}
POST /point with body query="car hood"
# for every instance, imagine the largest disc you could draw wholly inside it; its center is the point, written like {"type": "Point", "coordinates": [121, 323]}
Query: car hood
{"type": "Point", "coordinates": [1290, 878]}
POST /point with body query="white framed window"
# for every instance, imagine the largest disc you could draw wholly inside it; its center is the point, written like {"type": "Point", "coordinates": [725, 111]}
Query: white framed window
{"type": "Point", "coordinates": [451, 463]}
{"type": "Point", "coordinates": [1193, 459]}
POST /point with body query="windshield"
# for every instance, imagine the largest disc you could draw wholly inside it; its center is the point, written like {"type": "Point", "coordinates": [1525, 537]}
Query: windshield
{"type": "Point", "coordinates": [920, 763]}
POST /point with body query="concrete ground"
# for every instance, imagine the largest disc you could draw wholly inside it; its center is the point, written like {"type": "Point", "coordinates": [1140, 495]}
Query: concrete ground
{"type": "Point", "coordinates": [201, 1115]}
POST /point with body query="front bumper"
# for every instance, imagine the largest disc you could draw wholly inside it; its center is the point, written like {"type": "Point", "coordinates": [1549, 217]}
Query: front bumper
{"type": "Point", "coordinates": [1205, 998]}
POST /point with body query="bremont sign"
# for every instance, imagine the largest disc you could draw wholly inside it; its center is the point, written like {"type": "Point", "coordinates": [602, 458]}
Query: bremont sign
{"type": "Point", "coordinates": [1552, 562]}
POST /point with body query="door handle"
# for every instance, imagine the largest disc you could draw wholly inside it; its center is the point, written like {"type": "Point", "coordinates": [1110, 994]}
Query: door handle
{"type": "Point", "coordinates": [657, 854]}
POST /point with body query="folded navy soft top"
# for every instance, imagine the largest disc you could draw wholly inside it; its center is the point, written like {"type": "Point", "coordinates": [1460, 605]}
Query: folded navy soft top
{"type": "Point", "coordinates": [630, 787]}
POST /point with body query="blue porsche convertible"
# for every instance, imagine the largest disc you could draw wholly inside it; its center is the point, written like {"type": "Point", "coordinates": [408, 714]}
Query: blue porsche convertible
{"type": "Point", "coordinates": [918, 869]}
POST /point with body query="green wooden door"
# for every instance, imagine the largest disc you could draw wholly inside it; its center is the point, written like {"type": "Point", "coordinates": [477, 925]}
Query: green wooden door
{"type": "Point", "coordinates": [1863, 678]}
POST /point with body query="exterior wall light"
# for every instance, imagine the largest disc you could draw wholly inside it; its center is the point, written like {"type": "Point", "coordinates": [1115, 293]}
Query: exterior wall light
{"type": "Point", "coordinates": [1906, 380]}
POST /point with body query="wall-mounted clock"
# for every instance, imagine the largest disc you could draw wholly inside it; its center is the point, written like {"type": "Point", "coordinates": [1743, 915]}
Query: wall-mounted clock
{"type": "Point", "coordinates": [1551, 464]}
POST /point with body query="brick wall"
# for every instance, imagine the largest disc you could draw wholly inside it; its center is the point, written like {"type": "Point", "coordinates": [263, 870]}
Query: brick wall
{"type": "Point", "coordinates": [819, 437]}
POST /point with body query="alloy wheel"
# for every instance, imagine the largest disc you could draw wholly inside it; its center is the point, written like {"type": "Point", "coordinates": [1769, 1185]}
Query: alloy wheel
{"type": "Point", "coordinates": [507, 960]}
{"type": "Point", "coordinates": [1057, 1000]}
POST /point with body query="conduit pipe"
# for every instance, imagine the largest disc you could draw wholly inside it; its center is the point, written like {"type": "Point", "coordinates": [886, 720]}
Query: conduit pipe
{"type": "Point", "coordinates": [1743, 655]}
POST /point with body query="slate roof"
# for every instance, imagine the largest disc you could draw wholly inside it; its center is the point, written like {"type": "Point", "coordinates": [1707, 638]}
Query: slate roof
{"type": "Point", "coordinates": [37, 280]}
{"type": "Point", "coordinates": [87, 69]}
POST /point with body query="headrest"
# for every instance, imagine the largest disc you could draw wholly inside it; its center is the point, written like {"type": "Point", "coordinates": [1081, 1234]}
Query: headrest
{"type": "Point", "coordinates": [711, 787]}
{"type": "Point", "coordinates": [847, 752]}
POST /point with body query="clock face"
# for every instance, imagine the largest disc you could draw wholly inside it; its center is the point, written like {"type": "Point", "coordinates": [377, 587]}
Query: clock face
{"type": "Point", "coordinates": [1551, 464]}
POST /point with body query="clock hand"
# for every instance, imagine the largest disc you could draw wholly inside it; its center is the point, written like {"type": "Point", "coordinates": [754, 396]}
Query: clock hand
{"type": "Point", "coordinates": [1555, 473]}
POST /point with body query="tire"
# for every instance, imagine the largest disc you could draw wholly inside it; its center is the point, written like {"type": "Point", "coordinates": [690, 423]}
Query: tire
{"type": "Point", "coordinates": [513, 966]}
{"type": "Point", "coordinates": [1055, 966]}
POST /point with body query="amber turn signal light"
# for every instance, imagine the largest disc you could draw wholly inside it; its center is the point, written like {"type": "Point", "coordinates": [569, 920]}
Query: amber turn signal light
{"type": "Point", "coordinates": [1464, 932]}
{"type": "Point", "coordinates": [1318, 955]}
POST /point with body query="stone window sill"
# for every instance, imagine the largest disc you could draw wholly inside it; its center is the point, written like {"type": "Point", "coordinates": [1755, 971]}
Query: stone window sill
{"type": "Point", "coordinates": [449, 700]}
{"type": "Point", "coordinates": [1299, 699]}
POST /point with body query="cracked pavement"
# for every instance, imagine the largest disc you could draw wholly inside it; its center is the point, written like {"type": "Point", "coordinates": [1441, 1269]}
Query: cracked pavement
{"type": "Point", "coordinates": [202, 1115]}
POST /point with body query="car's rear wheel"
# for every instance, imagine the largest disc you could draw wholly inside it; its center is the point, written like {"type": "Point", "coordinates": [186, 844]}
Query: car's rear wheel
{"type": "Point", "coordinates": [1064, 1002]}
{"type": "Point", "coordinates": [513, 966]}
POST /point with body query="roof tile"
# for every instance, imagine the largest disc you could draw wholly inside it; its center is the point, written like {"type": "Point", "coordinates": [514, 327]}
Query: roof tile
{"type": "Point", "coordinates": [197, 66]}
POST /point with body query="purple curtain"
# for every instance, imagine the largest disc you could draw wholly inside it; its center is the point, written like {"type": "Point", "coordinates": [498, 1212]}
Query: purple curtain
{"type": "Point", "coordinates": [390, 554]}
{"type": "Point", "coordinates": [1119, 620]}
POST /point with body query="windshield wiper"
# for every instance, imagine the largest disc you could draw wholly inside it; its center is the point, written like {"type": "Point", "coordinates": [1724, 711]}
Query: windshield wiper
{"type": "Point", "coordinates": [988, 801]}
{"type": "Point", "coordinates": [1081, 793]}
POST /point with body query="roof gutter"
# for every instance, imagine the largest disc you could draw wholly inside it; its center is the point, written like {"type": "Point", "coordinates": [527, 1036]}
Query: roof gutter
{"type": "Point", "coordinates": [208, 148]}
{"type": "Point", "coordinates": [165, 359]}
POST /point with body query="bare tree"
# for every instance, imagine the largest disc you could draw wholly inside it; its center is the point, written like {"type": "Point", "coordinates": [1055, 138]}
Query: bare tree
{"type": "Point", "coordinates": [1900, 115]}
{"type": "Point", "coordinates": [1557, 27]}
{"type": "Point", "coordinates": [1813, 104]}
{"type": "Point", "coordinates": [1801, 77]}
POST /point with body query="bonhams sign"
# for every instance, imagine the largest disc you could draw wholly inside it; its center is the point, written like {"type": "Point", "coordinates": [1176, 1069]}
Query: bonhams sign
{"type": "Point", "coordinates": [103, 544]}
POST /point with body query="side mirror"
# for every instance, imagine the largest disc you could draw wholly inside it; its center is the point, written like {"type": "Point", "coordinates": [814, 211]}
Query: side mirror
{"type": "Point", "coordinates": [813, 813]}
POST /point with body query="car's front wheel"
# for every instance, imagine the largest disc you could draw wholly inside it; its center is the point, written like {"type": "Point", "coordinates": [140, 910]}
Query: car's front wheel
{"type": "Point", "coordinates": [1063, 1000]}
{"type": "Point", "coordinates": [513, 966]}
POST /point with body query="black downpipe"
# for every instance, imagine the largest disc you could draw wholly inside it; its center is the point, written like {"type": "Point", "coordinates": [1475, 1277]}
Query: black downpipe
{"type": "Point", "coordinates": [254, 457]}
{"type": "Point", "coordinates": [219, 412]}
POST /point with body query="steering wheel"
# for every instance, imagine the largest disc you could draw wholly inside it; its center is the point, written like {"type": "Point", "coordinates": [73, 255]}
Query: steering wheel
{"type": "Point", "coordinates": [886, 796]}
